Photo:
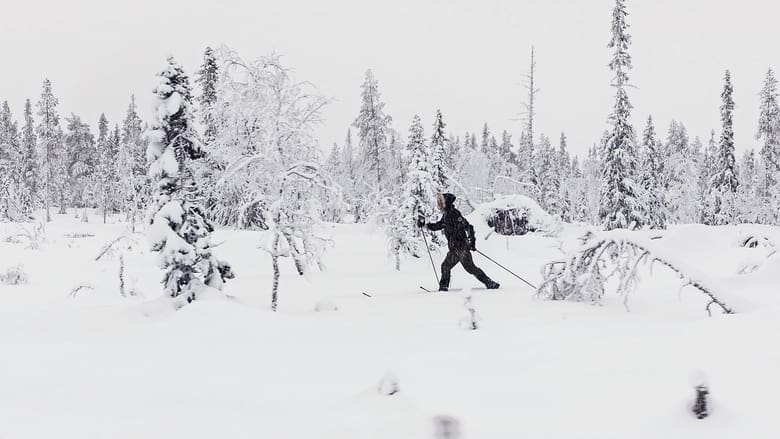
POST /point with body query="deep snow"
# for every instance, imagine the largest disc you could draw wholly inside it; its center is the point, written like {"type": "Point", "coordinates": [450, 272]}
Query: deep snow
{"type": "Point", "coordinates": [101, 366]}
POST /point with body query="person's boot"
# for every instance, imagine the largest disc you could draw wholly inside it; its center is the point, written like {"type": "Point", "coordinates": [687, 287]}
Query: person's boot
{"type": "Point", "coordinates": [443, 289]}
{"type": "Point", "coordinates": [492, 285]}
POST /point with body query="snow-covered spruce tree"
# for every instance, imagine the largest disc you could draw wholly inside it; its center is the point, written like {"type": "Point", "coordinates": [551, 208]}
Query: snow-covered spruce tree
{"type": "Point", "coordinates": [682, 176]}
{"type": "Point", "coordinates": [724, 184]}
{"type": "Point", "coordinates": [416, 201]}
{"type": "Point", "coordinates": [620, 206]}
{"type": "Point", "coordinates": [749, 205]}
{"type": "Point", "coordinates": [51, 151]}
{"type": "Point", "coordinates": [592, 181]}
{"type": "Point", "coordinates": [497, 164]}
{"type": "Point", "coordinates": [395, 162]}
{"type": "Point", "coordinates": [469, 174]}
{"type": "Point", "coordinates": [769, 135]}
{"type": "Point", "coordinates": [709, 166]}
{"type": "Point", "coordinates": [574, 193]}
{"type": "Point", "coordinates": [563, 171]}
{"type": "Point", "coordinates": [81, 163]}
{"type": "Point", "coordinates": [438, 153]}
{"type": "Point", "coordinates": [372, 125]}
{"type": "Point", "coordinates": [10, 166]}
{"type": "Point", "coordinates": [208, 76]}
{"type": "Point", "coordinates": [178, 229]}
{"type": "Point", "coordinates": [106, 187]}
{"type": "Point", "coordinates": [134, 188]}
{"type": "Point", "coordinates": [548, 176]}
{"type": "Point", "coordinates": [347, 181]}
{"type": "Point", "coordinates": [652, 177]}
{"type": "Point", "coordinates": [29, 168]}
{"type": "Point", "coordinates": [115, 143]}
{"type": "Point", "coordinates": [454, 146]}
{"type": "Point", "coordinates": [507, 153]}
{"type": "Point", "coordinates": [484, 144]}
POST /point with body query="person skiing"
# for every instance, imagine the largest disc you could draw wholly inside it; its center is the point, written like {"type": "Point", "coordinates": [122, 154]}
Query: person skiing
{"type": "Point", "coordinates": [460, 240]}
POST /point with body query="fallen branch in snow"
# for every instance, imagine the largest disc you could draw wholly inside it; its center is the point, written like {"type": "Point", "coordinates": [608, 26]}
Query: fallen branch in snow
{"type": "Point", "coordinates": [583, 274]}
{"type": "Point", "coordinates": [76, 290]}
{"type": "Point", "coordinates": [108, 248]}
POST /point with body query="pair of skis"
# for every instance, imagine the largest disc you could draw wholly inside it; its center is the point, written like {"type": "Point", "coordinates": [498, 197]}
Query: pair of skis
{"type": "Point", "coordinates": [451, 290]}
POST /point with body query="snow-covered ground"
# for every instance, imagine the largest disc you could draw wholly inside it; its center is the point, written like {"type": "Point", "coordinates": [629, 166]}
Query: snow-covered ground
{"type": "Point", "coordinates": [98, 365]}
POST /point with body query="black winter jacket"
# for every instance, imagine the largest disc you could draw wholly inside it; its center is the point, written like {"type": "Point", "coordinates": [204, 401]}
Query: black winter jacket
{"type": "Point", "coordinates": [459, 233]}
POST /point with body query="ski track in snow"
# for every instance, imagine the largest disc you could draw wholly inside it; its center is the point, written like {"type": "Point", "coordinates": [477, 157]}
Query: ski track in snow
{"type": "Point", "coordinates": [101, 366]}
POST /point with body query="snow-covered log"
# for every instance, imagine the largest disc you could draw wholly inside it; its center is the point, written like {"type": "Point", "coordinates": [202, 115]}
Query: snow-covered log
{"type": "Point", "coordinates": [583, 274]}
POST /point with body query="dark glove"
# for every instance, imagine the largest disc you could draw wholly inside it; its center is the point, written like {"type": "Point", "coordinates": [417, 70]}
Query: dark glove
{"type": "Point", "coordinates": [473, 245]}
{"type": "Point", "coordinates": [420, 222]}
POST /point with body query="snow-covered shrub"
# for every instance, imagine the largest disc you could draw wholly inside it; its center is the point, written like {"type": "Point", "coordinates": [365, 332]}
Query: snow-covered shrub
{"type": "Point", "coordinates": [14, 276]}
{"type": "Point", "coordinates": [34, 236]}
{"type": "Point", "coordinates": [516, 215]}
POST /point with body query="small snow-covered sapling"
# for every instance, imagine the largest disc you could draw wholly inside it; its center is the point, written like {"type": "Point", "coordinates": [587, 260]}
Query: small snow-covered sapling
{"type": "Point", "coordinates": [446, 427]}
{"type": "Point", "coordinates": [389, 385]}
{"type": "Point", "coordinates": [471, 321]}
{"type": "Point", "coordinates": [701, 404]}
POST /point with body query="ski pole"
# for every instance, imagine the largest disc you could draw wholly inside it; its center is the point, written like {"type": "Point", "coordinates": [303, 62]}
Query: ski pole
{"type": "Point", "coordinates": [430, 255]}
{"type": "Point", "coordinates": [510, 271]}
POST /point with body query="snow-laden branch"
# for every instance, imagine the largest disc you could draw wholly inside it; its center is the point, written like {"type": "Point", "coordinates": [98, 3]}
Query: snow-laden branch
{"type": "Point", "coordinates": [582, 275]}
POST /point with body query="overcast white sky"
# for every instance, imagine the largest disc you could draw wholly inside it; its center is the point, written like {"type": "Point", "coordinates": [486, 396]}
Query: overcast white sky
{"type": "Point", "coordinates": [465, 57]}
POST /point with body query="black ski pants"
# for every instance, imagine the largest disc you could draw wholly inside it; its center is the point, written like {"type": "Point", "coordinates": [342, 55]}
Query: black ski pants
{"type": "Point", "coordinates": [464, 257]}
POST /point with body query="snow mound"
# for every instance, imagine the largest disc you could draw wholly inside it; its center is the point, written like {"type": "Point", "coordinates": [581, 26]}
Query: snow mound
{"type": "Point", "coordinates": [516, 215]}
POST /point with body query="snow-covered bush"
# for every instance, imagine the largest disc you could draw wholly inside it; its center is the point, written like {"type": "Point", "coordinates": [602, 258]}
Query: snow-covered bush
{"type": "Point", "coordinates": [14, 276]}
{"type": "Point", "coordinates": [516, 215]}
{"type": "Point", "coordinates": [35, 236]}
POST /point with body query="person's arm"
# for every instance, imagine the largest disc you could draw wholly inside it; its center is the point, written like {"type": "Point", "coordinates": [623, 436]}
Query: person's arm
{"type": "Point", "coordinates": [438, 225]}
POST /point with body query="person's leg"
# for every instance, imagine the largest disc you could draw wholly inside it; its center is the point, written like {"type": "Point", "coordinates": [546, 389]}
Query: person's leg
{"type": "Point", "coordinates": [468, 264]}
{"type": "Point", "coordinates": [450, 261]}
